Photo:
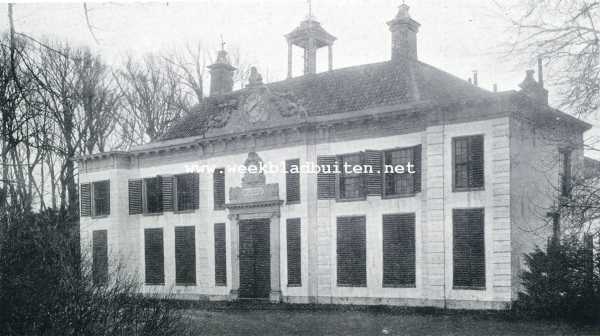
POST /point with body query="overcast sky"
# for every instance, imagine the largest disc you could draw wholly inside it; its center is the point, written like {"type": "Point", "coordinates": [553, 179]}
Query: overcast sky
{"type": "Point", "coordinates": [457, 36]}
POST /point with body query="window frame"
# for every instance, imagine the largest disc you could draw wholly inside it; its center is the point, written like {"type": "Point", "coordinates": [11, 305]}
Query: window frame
{"type": "Point", "coordinates": [366, 248]}
{"type": "Point", "coordinates": [219, 207]}
{"type": "Point", "coordinates": [341, 175]}
{"type": "Point", "coordinates": [176, 201]}
{"type": "Point", "coordinates": [288, 177]}
{"type": "Point", "coordinates": [414, 247]}
{"type": "Point", "coordinates": [485, 256]}
{"type": "Point", "coordinates": [455, 188]}
{"type": "Point", "coordinates": [94, 213]}
{"type": "Point", "coordinates": [384, 193]}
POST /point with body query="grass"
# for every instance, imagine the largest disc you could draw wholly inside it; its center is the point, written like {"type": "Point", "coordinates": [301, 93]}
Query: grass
{"type": "Point", "coordinates": [310, 320]}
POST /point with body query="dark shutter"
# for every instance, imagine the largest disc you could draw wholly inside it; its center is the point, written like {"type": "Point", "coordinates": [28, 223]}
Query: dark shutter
{"type": "Point", "coordinates": [476, 173]}
{"type": "Point", "coordinates": [153, 190]}
{"type": "Point", "coordinates": [135, 197]}
{"type": "Point", "coordinates": [326, 177]}
{"type": "Point", "coordinates": [220, 255]}
{"type": "Point", "coordinates": [154, 257]}
{"type": "Point", "coordinates": [469, 248]}
{"type": "Point", "coordinates": [292, 181]}
{"type": "Point", "coordinates": [294, 259]}
{"type": "Point", "coordinates": [417, 157]}
{"type": "Point", "coordinates": [219, 188]}
{"type": "Point", "coordinates": [196, 190]}
{"type": "Point", "coordinates": [86, 199]}
{"type": "Point", "coordinates": [374, 180]}
{"type": "Point", "coordinates": [351, 252]}
{"type": "Point", "coordinates": [185, 255]}
{"type": "Point", "coordinates": [399, 250]}
{"type": "Point", "coordinates": [166, 185]}
{"type": "Point", "coordinates": [100, 257]}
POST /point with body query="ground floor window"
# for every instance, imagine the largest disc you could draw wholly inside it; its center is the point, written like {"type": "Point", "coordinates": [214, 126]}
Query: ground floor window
{"type": "Point", "coordinates": [100, 257]}
{"type": "Point", "coordinates": [185, 255]}
{"type": "Point", "coordinates": [220, 255]}
{"type": "Point", "coordinates": [154, 257]}
{"type": "Point", "coordinates": [399, 250]}
{"type": "Point", "coordinates": [351, 252]}
{"type": "Point", "coordinates": [294, 258]}
{"type": "Point", "coordinates": [469, 249]}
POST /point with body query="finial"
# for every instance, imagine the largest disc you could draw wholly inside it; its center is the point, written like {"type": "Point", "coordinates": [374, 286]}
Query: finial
{"type": "Point", "coordinates": [404, 11]}
{"type": "Point", "coordinates": [222, 43]}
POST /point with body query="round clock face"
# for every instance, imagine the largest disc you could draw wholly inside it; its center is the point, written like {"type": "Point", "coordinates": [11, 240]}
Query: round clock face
{"type": "Point", "coordinates": [254, 108]}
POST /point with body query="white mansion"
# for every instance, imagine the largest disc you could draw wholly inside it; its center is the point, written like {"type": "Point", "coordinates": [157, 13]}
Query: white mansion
{"type": "Point", "coordinates": [450, 235]}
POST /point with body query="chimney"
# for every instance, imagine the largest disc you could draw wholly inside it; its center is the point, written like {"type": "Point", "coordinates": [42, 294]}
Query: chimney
{"type": "Point", "coordinates": [540, 72]}
{"type": "Point", "coordinates": [404, 35]}
{"type": "Point", "coordinates": [533, 89]}
{"type": "Point", "coordinates": [475, 78]}
{"type": "Point", "coordinates": [495, 87]}
{"type": "Point", "coordinates": [221, 75]}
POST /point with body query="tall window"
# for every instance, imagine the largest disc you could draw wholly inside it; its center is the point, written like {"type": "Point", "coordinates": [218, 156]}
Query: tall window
{"type": "Point", "coordinates": [99, 257]}
{"type": "Point", "coordinates": [154, 258]}
{"type": "Point", "coordinates": [469, 248]}
{"type": "Point", "coordinates": [185, 255]}
{"type": "Point", "coordinates": [408, 182]}
{"type": "Point", "coordinates": [399, 250]}
{"type": "Point", "coordinates": [220, 255]}
{"type": "Point", "coordinates": [185, 191]}
{"type": "Point", "coordinates": [292, 181]}
{"type": "Point", "coordinates": [468, 163]}
{"type": "Point", "coordinates": [219, 188]}
{"type": "Point", "coordinates": [294, 257]}
{"type": "Point", "coordinates": [153, 195]}
{"type": "Point", "coordinates": [565, 172]}
{"type": "Point", "coordinates": [101, 198]}
{"type": "Point", "coordinates": [351, 184]}
{"type": "Point", "coordinates": [351, 252]}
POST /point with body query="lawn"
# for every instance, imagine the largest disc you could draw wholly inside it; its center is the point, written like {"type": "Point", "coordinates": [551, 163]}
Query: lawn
{"type": "Point", "coordinates": [264, 322]}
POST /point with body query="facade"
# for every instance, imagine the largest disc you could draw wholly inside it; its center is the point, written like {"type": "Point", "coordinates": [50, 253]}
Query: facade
{"type": "Point", "coordinates": [449, 231]}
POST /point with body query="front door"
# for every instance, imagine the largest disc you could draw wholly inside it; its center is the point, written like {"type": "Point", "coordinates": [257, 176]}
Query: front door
{"type": "Point", "coordinates": [255, 259]}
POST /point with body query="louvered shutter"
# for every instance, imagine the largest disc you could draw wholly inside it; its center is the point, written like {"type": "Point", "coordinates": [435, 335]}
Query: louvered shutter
{"type": "Point", "coordinates": [469, 248]}
{"type": "Point", "coordinates": [86, 199]}
{"type": "Point", "coordinates": [196, 190]}
{"type": "Point", "coordinates": [135, 197]}
{"type": "Point", "coordinates": [154, 257]}
{"type": "Point", "coordinates": [399, 250]}
{"type": "Point", "coordinates": [326, 177]}
{"type": "Point", "coordinates": [476, 173]}
{"type": "Point", "coordinates": [220, 255]}
{"type": "Point", "coordinates": [185, 255]}
{"type": "Point", "coordinates": [219, 189]}
{"type": "Point", "coordinates": [100, 257]}
{"type": "Point", "coordinates": [417, 158]}
{"type": "Point", "coordinates": [294, 259]}
{"type": "Point", "coordinates": [166, 186]}
{"type": "Point", "coordinates": [292, 181]}
{"type": "Point", "coordinates": [374, 180]}
{"type": "Point", "coordinates": [351, 252]}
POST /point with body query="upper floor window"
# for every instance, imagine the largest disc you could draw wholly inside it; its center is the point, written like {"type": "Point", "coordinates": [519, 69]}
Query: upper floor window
{"type": "Point", "coordinates": [468, 163]}
{"type": "Point", "coordinates": [95, 199]}
{"type": "Point", "coordinates": [351, 183]}
{"type": "Point", "coordinates": [219, 188]}
{"type": "Point", "coordinates": [407, 182]}
{"type": "Point", "coordinates": [565, 172]}
{"type": "Point", "coordinates": [292, 181]}
{"type": "Point", "coordinates": [153, 195]}
{"type": "Point", "coordinates": [185, 191]}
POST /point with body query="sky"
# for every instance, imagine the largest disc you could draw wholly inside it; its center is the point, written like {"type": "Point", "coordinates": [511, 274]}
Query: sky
{"type": "Point", "coordinates": [457, 36]}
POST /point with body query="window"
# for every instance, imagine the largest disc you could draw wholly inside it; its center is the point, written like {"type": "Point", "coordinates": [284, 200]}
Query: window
{"type": "Point", "coordinates": [292, 181]}
{"type": "Point", "coordinates": [154, 257]}
{"type": "Point", "coordinates": [185, 255]}
{"type": "Point", "coordinates": [99, 257]}
{"type": "Point", "coordinates": [469, 249]}
{"type": "Point", "coordinates": [399, 250]}
{"type": "Point", "coordinates": [101, 198]}
{"type": "Point", "coordinates": [565, 172]}
{"type": "Point", "coordinates": [405, 183]}
{"type": "Point", "coordinates": [326, 177]}
{"type": "Point", "coordinates": [219, 188]}
{"type": "Point", "coordinates": [220, 255]}
{"type": "Point", "coordinates": [294, 258]}
{"type": "Point", "coordinates": [135, 188]}
{"type": "Point", "coordinates": [468, 163]}
{"type": "Point", "coordinates": [351, 184]}
{"type": "Point", "coordinates": [153, 195]}
{"type": "Point", "coordinates": [351, 252]}
{"type": "Point", "coordinates": [85, 200]}
{"type": "Point", "coordinates": [185, 191]}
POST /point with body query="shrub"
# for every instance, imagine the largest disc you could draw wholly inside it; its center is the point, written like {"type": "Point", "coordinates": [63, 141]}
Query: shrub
{"type": "Point", "coordinates": [561, 283]}
{"type": "Point", "coordinates": [44, 291]}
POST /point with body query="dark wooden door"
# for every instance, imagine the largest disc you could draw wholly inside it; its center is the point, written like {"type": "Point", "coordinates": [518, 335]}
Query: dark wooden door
{"type": "Point", "coordinates": [255, 259]}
